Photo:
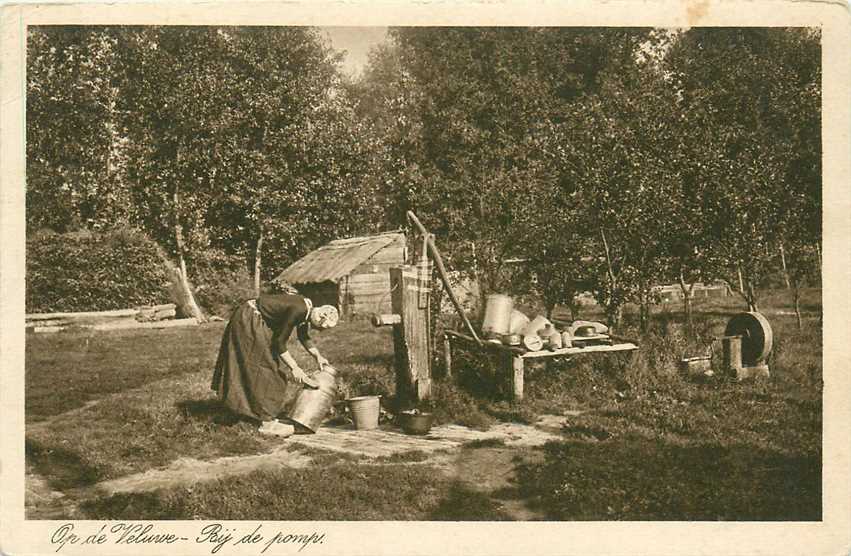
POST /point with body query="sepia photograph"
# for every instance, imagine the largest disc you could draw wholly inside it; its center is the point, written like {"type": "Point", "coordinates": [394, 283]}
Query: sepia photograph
{"type": "Point", "coordinates": [419, 273]}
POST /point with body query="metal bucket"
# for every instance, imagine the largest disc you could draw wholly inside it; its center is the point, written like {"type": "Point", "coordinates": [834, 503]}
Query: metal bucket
{"type": "Point", "coordinates": [498, 308]}
{"type": "Point", "coordinates": [419, 423]}
{"type": "Point", "coordinates": [312, 406]}
{"type": "Point", "coordinates": [699, 365]}
{"type": "Point", "coordinates": [364, 411]}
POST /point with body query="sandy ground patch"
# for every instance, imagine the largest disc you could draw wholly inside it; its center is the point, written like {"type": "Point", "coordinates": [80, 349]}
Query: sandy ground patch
{"type": "Point", "coordinates": [486, 469]}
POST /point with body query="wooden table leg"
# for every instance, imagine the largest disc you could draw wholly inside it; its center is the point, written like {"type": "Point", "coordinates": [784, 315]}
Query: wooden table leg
{"type": "Point", "coordinates": [512, 370]}
{"type": "Point", "coordinates": [517, 371]}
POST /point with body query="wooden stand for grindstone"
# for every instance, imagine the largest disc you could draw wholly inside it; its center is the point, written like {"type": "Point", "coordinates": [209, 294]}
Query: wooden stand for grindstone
{"type": "Point", "coordinates": [746, 344]}
{"type": "Point", "coordinates": [732, 350]}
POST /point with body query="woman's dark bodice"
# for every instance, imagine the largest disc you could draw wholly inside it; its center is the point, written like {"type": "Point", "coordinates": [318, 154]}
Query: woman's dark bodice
{"type": "Point", "coordinates": [284, 312]}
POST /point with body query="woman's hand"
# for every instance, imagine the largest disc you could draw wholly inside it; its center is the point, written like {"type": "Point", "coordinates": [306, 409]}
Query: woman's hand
{"type": "Point", "coordinates": [303, 378]}
{"type": "Point", "coordinates": [321, 361]}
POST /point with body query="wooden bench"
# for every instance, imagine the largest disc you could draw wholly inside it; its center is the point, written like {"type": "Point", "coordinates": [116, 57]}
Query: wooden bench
{"type": "Point", "coordinates": [512, 359]}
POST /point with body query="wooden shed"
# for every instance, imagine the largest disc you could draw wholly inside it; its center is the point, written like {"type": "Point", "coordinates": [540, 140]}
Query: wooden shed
{"type": "Point", "coordinates": [352, 274]}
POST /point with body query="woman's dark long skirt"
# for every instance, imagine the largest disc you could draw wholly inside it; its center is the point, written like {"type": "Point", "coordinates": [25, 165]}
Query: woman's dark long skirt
{"type": "Point", "coordinates": [246, 378]}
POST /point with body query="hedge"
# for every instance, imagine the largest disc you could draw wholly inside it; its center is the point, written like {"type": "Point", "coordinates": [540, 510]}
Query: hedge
{"type": "Point", "coordinates": [94, 272]}
{"type": "Point", "coordinates": [221, 281]}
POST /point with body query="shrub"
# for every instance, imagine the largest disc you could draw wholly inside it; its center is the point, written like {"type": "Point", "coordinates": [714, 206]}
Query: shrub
{"type": "Point", "coordinates": [221, 281]}
{"type": "Point", "coordinates": [94, 272]}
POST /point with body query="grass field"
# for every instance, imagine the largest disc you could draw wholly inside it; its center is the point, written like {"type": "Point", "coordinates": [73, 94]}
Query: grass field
{"type": "Point", "coordinates": [650, 444]}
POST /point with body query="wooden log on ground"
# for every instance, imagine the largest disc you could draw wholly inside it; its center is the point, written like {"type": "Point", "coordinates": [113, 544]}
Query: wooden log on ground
{"type": "Point", "coordinates": [159, 312]}
{"type": "Point", "coordinates": [146, 325]}
{"type": "Point", "coordinates": [46, 323]}
{"type": "Point", "coordinates": [145, 314]}
{"type": "Point", "coordinates": [117, 313]}
{"type": "Point", "coordinates": [80, 321]}
{"type": "Point", "coordinates": [47, 329]}
{"type": "Point", "coordinates": [84, 318]}
{"type": "Point", "coordinates": [120, 325]}
{"type": "Point", "coordinates": [163, 314]}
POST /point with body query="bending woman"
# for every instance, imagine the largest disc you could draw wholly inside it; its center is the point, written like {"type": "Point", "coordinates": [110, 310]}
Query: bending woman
{"type": "Point", "coordinates": [255, 375]}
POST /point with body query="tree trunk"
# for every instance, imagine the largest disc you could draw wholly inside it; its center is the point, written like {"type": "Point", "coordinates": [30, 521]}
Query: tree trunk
{"type": "Point", "coordinates": [257, 262]}
{"type": "Point", "coordinates": [613, 313]}
{"type": "Point", "coordinates": [785, 270]}
{"type": "Point", "coordinates": [609, 268]}
{"type": "Point", "coordinates": [574, 307]}
{"type": "Point", "coordinates": [644, 314]}
{"type": "Point", "coordinates": [797, 294]}
{"type": "Point", "coordinates": [550, 307]}
{"type": "Point", "coordinates": [614, 317]}
{"type": "Point", "coordinates": [741, 281]}
{"type": "Point", "coordinates": [746, 289]}
{"type": "Point", "coordinates": [686, 291]}
{"type": "Point", "coordinates": [751, 297]}
{"type": "Point", "coordinates": [189, 305]}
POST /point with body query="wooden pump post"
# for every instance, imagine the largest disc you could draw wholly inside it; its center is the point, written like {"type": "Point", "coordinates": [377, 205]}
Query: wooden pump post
{"type": "Point", "coordinates": [410, 297]}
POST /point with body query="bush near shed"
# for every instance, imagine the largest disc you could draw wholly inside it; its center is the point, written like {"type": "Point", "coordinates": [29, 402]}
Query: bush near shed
{"type": "Point", "coordinates": [94, 272]}
{"type": "Point", "coordinates": [222, 281]}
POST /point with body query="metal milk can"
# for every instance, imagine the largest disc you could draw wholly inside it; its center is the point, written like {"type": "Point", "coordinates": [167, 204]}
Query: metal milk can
{"type": "Point", "coordinates": [312, 405]}
{"type": "Point", "coordinates": [497, 315]}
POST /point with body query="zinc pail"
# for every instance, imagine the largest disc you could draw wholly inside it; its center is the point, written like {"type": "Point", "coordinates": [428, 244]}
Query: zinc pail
{"type": "Point", "coordinates": [312, 405]}
{"type": "Point", "coordinates": [497, 318]}
{"type": "Point", "coordinates": [364, 411]}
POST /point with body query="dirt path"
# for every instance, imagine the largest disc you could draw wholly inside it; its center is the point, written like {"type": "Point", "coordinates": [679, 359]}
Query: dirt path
{"type": "Point", "coordinates": [488, 468]}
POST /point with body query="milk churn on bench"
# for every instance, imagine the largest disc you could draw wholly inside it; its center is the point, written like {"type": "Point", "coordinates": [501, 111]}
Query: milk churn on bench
{"type": "Point", "coordinates": [312, 405]}
{"type": "Point", "coordinates": [498, 309]}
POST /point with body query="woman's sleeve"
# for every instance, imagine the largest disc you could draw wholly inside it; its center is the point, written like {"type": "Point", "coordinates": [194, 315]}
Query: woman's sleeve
{"type": "Point", "coordinates": [303, 332]}
{"type": "Point", "coordinates": [281, 337]}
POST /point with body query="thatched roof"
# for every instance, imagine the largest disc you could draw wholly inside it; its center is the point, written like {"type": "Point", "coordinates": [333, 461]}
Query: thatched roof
{"type": "Point", "coordinates": [338, 258]}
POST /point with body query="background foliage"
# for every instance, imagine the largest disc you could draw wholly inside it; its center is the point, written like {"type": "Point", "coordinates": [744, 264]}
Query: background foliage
{"type": "Point", "coordinates": [116, 270]}
{"type": "Point", "coordinates": [608, 160]}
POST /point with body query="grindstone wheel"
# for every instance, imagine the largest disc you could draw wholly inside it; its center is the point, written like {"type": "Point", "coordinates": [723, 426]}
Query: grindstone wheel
{"type": "Point", "coordinates": [757, 338]}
